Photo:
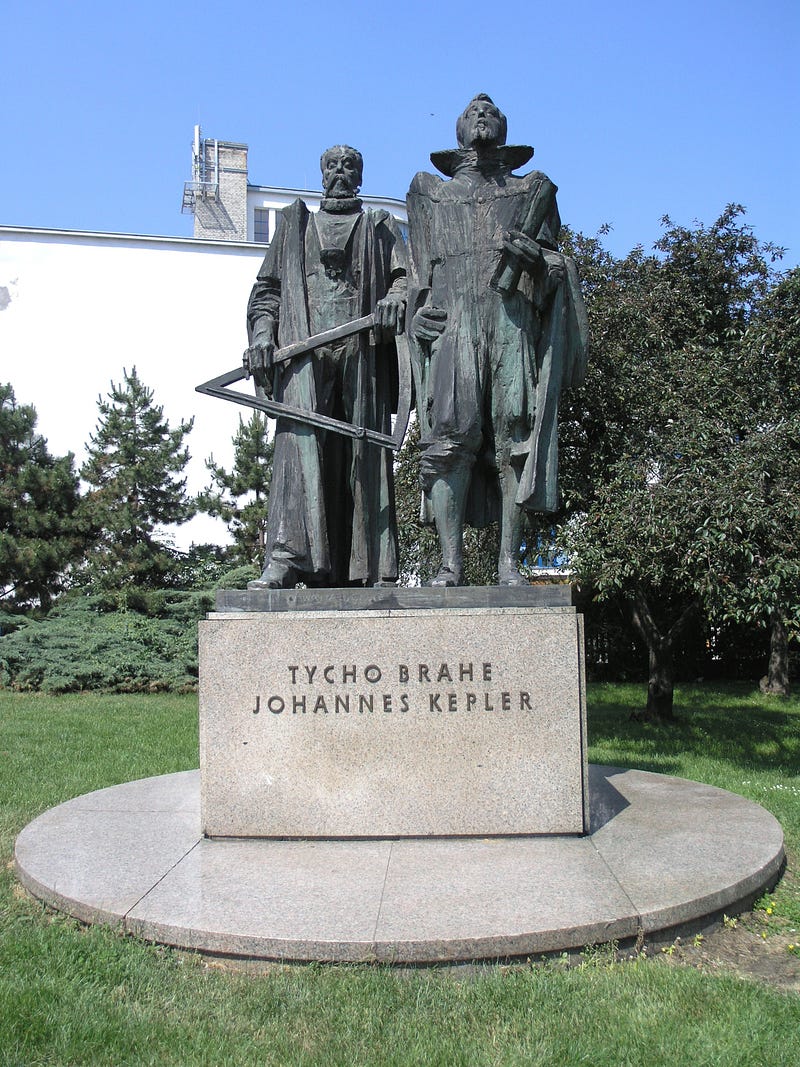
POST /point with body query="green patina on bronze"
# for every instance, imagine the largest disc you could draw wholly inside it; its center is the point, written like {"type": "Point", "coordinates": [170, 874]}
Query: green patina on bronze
{"type": "Point", "coordinates": [499, 330]}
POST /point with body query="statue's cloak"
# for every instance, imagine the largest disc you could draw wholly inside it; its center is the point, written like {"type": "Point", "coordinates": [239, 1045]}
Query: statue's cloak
{"type": "Point", "coordinates": [456, 232]}
{"type": "Point", "coordinates": [331, 512]}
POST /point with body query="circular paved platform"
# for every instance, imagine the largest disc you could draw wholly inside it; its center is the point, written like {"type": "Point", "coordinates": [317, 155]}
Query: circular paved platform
{"type": "Point", "coordinates": [662, 852]}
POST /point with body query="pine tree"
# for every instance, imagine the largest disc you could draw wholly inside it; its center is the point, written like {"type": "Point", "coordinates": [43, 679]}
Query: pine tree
{"type": "Point", "coordinates": [134, 467]}
{"type": "Point", "coordinates": [39, 533]}
{"type": "Point", "coordinates": [240, 497]}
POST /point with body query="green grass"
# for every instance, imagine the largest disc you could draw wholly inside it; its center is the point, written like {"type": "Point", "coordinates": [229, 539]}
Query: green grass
{"type": "Point", "coordinates": [76, 995]}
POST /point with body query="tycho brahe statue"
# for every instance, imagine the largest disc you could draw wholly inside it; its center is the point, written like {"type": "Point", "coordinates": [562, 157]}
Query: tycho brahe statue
{"type": "Point", "coordinates": [499, 330]}
{"type": "Point", "coordinates": [331, 515]}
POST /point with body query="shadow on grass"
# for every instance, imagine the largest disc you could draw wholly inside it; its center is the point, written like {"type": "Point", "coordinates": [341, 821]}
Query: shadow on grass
{"type": "Point", "coordinates": [733, 724]}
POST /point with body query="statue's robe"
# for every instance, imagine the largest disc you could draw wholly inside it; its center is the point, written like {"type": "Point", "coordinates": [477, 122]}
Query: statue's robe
{"type": "Point", "coordinates": [331, 507]}
{"type": "Point", "coordinates": [488, 388]}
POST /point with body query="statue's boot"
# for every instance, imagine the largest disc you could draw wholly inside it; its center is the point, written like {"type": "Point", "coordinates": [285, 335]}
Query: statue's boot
{"type": "Point", "coordinates": [277, 575]}
{"type": "Point", "coordinates": [448, 496]}
{"type": "Point", "coordinates": [508, 572]}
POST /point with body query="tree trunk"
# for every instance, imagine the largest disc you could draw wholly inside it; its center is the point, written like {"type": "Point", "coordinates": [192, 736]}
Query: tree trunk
{"type": "Point", "coordinates": [776, 680]}
{"type": "Point", "coordinates": [661, 651]}
{"type": "Point", "coordinates": [661, 680]}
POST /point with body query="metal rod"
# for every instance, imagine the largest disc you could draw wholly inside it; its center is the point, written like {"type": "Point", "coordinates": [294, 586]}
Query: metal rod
{"type": "Point", "coordinates": [324, 338]}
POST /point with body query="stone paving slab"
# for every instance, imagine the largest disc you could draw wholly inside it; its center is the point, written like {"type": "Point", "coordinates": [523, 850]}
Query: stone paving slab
{"type": "Point", "coordinates": [270, 899]}
{"type": "Point", "coordinates": [663, 851]}
{"type": "Point", "coordinates": [96, 865]}
{"type": "Point", "coordinates": [498, 897]}
{"type": "Point", "coordinates": [680, 849]}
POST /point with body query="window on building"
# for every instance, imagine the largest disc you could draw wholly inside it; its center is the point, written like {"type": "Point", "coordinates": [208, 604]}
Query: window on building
{"type": "Point", "coordinates": [261, 225]}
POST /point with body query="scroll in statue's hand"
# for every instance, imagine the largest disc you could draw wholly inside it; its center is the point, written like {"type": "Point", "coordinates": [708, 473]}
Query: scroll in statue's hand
{"type": "Point", "coordinates": [429, 323]}
{"type": "Point", "coordinates": [523, 247]}
{"type": "Point", "coordinates": [391, 313]}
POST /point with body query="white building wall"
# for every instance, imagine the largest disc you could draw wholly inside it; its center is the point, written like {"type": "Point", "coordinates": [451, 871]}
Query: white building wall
{"type": "Point", "coordinates": [276, 199]}
{"type": "Point", "coordinates": [77, 308]}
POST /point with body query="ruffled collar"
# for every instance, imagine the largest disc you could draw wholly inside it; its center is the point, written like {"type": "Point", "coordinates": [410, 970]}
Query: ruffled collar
{"type": "Point", "coordinates": [503, 159]}
{"type": "Point", "coordinates": [340, 205]}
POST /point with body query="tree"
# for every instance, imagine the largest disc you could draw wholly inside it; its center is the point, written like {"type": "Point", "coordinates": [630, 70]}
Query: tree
{"type": "Point", "coordinates": [764, 483]}
{"type": "Point", "coordinates": [134, 467]}
{"type": "Point", "coordinates": [39, 532]}
{"type": "Point", "coordinates": [240, 497]}
{"type": "Point", "coordinates": [657, 432]}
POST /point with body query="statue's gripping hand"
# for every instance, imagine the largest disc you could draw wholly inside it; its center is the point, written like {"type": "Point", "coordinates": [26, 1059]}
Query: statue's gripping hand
{"type": "Point", "coordinates": [556, 268]}
{"type": "Point", "coordinates": [391, 312]}
{"type": "Point", "coordinates": [429, 323]}
{"type": "Point", "coordinates": [257, 359]}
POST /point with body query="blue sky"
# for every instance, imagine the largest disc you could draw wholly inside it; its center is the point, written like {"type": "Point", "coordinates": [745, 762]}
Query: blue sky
{"type": "Point", "coordinates": [636, 110]}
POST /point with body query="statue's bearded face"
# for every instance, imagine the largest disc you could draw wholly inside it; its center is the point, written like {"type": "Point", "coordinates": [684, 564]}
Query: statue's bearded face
{"type": "Point", "coordinates": [482, 124]}
{"type": "Point", "coordinates": [341, 173]}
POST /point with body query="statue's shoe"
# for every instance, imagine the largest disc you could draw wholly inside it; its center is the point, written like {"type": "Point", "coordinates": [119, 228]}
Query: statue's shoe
{"type": "Point", "coordinates": [447, 578]}
{"type": "Point", "coordinates": [509, 574]}
{"type": "Point", "coordinates": [276, 576]}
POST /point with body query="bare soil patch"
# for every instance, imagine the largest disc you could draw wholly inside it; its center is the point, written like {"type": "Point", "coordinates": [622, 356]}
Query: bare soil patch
{"type": "Point", "coordinates": [749, 946]}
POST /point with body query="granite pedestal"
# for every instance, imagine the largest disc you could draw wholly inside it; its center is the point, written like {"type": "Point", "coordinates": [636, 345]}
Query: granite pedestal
{"type": "Point", "coordinates": [392, 713]}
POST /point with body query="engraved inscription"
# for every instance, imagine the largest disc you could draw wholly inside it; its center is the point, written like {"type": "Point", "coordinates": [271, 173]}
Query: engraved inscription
{"type": "Point", "coordinates": [312, 690]}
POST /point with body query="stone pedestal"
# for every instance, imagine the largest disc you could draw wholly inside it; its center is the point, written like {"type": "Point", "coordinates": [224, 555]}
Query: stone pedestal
{"type": "Point", "coordinates": [394, 718]}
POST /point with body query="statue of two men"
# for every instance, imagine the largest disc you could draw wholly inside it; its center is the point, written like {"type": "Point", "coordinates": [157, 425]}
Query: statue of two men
{"type": "Point", "coordinates": [497, 329]}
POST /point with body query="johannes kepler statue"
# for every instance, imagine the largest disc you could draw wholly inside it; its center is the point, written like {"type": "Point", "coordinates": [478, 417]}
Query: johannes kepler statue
{"type": "Point", "coordinates": [331, 508]}
{"type": "Point", "coordinates": [499, 329]}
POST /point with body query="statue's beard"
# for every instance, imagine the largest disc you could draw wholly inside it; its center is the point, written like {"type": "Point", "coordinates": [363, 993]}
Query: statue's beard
{"type": "Point", "coordinates": [484, 137]}
{"type": "Point", "coordinates": [338, 189]}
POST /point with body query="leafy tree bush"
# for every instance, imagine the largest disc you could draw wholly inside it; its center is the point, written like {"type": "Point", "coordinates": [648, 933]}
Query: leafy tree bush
{"type": "Point", "coordinates": [100, 641]}
{"type": "Point", "coordinates": [81, 646]}
{"type": "Point", "coordinates": [661, 515]}
{"type": "Point", "coordinates": [764, 485]}
{"type": "Point", "coordinates": [39, 532]}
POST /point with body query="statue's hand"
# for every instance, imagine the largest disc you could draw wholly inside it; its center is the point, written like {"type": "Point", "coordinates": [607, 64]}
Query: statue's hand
{"type": "Point", "coordinates": [429, 323]}
{"type": "Point", "coordinates": [556, 269]}
{"type": "Point", "coordinates": [391, 313]}
{"type": "Point", "coordinates": [257, 359]}
{"type": "Point", "coordinates": [523, 247]}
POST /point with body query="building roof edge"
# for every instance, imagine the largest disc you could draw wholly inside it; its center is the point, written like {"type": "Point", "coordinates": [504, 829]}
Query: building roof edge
{"type": "Point", "coordinates": [42, 231]}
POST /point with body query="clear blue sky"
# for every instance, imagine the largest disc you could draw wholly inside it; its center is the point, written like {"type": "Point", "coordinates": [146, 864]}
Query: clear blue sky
{"type": "Point", "coordinates": [636, 110]}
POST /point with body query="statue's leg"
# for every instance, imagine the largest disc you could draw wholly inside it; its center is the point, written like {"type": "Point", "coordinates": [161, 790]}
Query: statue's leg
{"type": "Point", "coordinates": [278, 574]}
{"type": "Point", "coordinates": [510, 527]}
{"type": "Point", "coordinates": [448, 497]}
{"type": "Point", "coordinates": [296, 546]}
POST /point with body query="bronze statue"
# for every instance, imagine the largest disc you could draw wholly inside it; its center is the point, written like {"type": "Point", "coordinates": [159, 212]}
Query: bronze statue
{"type": "Point", "coordinates": [499, 330]}
{"type": "Point", "coordinates": [331, 508]}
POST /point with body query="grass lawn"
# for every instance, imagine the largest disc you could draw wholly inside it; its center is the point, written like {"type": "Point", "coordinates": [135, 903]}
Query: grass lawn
{"type": "Point", "coordinates": [76, 995]}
